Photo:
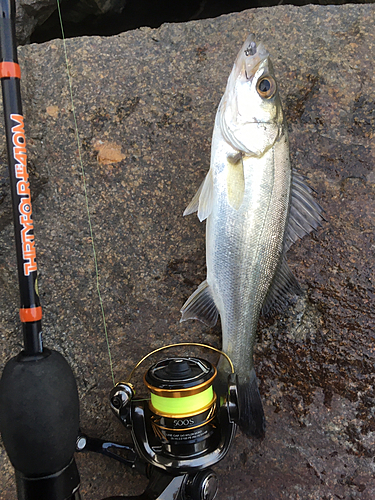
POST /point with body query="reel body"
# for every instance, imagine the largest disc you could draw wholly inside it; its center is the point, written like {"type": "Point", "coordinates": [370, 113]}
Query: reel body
{"type": "Point", "coordinates": [180, 432]}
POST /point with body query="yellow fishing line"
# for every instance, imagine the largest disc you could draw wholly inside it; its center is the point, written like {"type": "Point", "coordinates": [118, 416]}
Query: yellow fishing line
{"type": "Point", "coordinates": [85, 191]}
{"type": "Point", "coordinates": [183, 405]}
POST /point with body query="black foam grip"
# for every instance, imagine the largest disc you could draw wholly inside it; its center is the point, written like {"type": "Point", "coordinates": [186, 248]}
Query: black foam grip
{"type": "Point", "coordinates": [39, 413]}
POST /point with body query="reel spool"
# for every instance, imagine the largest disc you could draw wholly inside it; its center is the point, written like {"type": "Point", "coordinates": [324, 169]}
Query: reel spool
{"type": "Point", "coordinates": [183, 405]}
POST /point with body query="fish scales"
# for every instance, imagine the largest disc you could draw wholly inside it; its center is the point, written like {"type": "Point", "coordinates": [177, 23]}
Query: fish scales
{"type": "Point", "coordinates": [252, 234]}
{"type": "Point", "coordinates": [252, 219]}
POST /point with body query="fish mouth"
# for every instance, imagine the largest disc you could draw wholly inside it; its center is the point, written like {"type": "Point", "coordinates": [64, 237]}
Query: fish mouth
{"type": "Point", "coordinates": [250, 57]}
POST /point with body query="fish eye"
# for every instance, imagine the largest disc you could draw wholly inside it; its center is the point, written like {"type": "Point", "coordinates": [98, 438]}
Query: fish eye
{"type": "Point", "coordinates": [266, 87]}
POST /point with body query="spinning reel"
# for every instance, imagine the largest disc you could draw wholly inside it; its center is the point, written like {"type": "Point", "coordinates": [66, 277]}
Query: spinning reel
{"type": "Point", "coordinates": [180, 432]}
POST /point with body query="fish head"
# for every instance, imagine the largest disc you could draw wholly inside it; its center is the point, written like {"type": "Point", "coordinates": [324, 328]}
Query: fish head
{"type": "Point", "coordinates": [250, 113]}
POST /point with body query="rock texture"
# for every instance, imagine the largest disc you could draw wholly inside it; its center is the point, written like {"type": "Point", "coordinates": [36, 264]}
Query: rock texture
{"type": "Point", "coordinates": [29, 14]}
{"type": "Point", "coordinates": [145, 103]}
{"type": "Point", "coordinates": [33, 13]}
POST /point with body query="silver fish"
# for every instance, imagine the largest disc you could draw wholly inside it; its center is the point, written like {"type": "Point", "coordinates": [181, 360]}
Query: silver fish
{"type": "Point", "coordinates": [255, 207]}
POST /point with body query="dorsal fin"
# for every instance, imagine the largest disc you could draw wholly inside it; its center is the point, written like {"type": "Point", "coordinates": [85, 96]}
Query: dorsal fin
{"type": "Point", "coordinates": [305, 213]}
{"type": "Point", "coordinates": [283, 286]}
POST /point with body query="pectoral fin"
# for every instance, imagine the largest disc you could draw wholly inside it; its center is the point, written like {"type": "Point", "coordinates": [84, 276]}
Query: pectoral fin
{"type": "Point", "coordinates": [203, 199]}
{"type": "Point", "coordinates": [200, 305]}
{"type": "Point", "coordinates": [235, 181]}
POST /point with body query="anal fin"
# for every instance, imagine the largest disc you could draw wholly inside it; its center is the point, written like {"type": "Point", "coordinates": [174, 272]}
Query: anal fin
{"type": "Point", "coordinates": [200, 305]}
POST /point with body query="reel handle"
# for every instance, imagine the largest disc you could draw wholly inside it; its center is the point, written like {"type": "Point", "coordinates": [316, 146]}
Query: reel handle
{"type": "Point", "coordinates": [163, 486]}
{"type": "Point", "coordinates": [201, 485]}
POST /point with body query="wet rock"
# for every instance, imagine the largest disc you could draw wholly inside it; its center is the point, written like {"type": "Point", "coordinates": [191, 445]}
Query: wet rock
{"type": "Point", "coordinates": [145, 112]}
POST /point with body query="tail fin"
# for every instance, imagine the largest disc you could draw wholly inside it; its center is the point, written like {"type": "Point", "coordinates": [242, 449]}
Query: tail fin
{"type": "Point", "coordinates": [252, 421]}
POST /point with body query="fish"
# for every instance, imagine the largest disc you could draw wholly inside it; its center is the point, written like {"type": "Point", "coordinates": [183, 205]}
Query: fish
{"type": "Point", "coordinates": [255, 207]}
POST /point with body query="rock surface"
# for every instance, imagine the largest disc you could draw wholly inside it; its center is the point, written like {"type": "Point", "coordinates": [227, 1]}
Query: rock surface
{"type": "Point", "coordinates": [145, 103]}
{"type": "Point", "coordinates": [33, 13]}
{"type": "Point", "coordinates": [29, 14]}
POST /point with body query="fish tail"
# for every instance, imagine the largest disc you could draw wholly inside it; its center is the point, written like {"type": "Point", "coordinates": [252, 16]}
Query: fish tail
{"type": "Point", "coordinates": [252, 421]}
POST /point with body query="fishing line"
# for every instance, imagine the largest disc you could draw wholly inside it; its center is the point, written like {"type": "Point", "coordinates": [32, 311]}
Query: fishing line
{"type": "Point", "coordinates": [85, 192]}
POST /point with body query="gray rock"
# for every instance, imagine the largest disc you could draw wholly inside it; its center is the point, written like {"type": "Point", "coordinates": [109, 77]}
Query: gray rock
{"type": "Point", "coordinates": [145, 103]}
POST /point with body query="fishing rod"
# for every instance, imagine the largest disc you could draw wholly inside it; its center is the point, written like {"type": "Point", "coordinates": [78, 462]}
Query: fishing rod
{"type": "Point", "coordinates": [183, 428]}
{"type": "Point", "coordinates": [39, 417]}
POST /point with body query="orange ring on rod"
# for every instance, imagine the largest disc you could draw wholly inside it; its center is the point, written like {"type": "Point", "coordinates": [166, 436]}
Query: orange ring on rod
{"type": "Point", "coordinates": [10, 70]}
{"type": "Point", "coordinates": [30, 314]}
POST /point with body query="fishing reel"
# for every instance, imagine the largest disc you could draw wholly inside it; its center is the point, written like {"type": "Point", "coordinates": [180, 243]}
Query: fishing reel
{"type": "Point", "coordinates": [185, 427]}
